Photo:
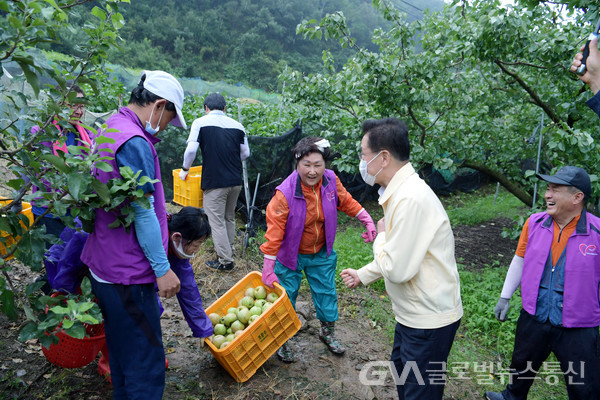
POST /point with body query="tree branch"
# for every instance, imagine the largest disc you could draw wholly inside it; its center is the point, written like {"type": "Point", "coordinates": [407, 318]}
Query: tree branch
{"type": "Point", "coordinates": [419, 124]}
{"type": "Point", "coordinates": [521, 63]}
{"type": "Point", "coordinates": [77, 3]}
{"type": "Point", "coordinates": [536, 99]}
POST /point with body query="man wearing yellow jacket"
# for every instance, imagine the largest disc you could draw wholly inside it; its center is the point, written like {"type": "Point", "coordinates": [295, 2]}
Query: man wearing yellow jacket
{"type": "Point", "coordinates": [414, 254]}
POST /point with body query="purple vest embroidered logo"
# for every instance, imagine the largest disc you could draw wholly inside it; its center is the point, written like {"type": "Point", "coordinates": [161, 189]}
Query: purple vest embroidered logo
{"type": "Point", "coordinates": [587, 250]}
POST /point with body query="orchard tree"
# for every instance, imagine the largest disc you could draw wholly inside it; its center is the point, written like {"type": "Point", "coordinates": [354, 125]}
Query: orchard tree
{"type": "Point", "coordinates": [37, 96]}
{"type": "Point", "coordinates": [473, 94]}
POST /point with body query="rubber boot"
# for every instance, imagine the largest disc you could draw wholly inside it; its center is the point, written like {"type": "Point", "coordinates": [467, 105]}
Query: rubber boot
{"type": "Point", "coordinates": [327, 336]}
{"type": "Point", "coordinates": [285, 354]}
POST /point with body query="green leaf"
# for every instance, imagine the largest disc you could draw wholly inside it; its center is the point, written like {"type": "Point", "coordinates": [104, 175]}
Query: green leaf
{"type": "Point", "coordinates": [86, 286]}
{"type": "Point", "coordinates": [87, 319]}
{"type": "Point", "coordinates": [47, 341]}
{"type": "Point", "coordinates": [99, 13]}
{"type": "Point", "coordinates": [31, 76]}
{"type": "Point", "coordinates": [103, 166]}
{"type": "Point", "coordinates": [83, 307]}
{"type": "Point", "coordinates": [117, 20]}
{"type": "Point", "coordinates": [34, 287]}
{"type": "Point", "coordinates": [7, 298]}
{"type": "Point", "coordinates": [60, 310]}
{"type": "Point", "coordinates": [76, 183]}
{"type": "Point", "coordinates": [101, 190]}
{"type": "Point", "coordinates": [76, 331]}
{"type": "Point", "coordinates": [67, 323]}
{"type": "Point", "coordinates": [28, 332]}
{"type": "Point", "coordinates": [57, 162]}
{"type": "Point", "coordinates": [103, 139]}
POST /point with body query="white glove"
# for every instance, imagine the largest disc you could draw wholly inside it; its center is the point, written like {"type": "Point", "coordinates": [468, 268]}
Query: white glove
{"type": "Point", "coordinates": [183, 174]}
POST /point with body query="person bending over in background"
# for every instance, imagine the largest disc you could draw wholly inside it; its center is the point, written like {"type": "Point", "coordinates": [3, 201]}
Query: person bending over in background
{"type": "Point", "coordinates": [125, 264]}
{"type": "Point", "coordinates": [187, 230]}
{"type": "Point", "coordinates": [301, 228]}
{"type": "Point", "coordinates": [414, 254]}
{"type": "Point", "coordinates": [558, 267]}
{"type": "Point", "coordinates": [224, 146]}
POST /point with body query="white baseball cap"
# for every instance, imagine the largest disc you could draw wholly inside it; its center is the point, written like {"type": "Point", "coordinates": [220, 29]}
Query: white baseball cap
{"type": "Point", "coordinates": [166, 86]}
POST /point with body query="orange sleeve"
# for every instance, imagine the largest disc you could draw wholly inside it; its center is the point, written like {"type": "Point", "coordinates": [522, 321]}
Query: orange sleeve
{"type": "Point", "coordinates": [523, 240]}
{"type": "Point", "coordinates": [277, 215]}
{"type": "Point", "coordinates": [347, 204]}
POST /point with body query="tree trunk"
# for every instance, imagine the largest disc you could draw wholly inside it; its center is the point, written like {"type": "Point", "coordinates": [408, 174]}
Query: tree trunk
{"type": "Point", "coordinates": [513, 188]}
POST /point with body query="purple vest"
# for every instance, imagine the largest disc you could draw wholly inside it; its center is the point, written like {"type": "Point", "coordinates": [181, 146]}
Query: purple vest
{"type": "Point", "coordinates": [115, 254]}
{"type": "Point", "coordinates": [291, 188]}
{"type": "Point", "coordinates": [581, 302]}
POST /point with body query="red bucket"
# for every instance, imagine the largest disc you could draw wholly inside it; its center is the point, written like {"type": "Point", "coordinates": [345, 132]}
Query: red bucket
{"type": "Point", "coordinates": [71, 352]}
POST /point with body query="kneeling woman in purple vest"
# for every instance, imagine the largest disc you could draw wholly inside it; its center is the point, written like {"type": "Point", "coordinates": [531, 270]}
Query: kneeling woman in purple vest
{"type": "Point", "coordinates": [301, 227]}
{"type": "Point", "coordinates": [187, 230]}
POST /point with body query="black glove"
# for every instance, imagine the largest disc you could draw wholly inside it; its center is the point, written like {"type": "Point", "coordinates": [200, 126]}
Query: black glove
{"type": "Point", "coordinates": [501, 309]}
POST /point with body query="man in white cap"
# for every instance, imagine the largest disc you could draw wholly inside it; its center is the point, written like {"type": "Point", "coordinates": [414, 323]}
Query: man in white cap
{"type": "Point", "coordinates": [557, 265]}
{"type": "Point", "coordinates": [127, 264]}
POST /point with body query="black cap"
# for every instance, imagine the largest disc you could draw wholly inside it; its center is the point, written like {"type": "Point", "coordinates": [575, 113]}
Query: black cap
{"type": "Point", "coordinates": [570, 176]}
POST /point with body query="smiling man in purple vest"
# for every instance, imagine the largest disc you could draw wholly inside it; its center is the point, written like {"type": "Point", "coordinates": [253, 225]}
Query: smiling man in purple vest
{"type": "Point", "coordinates": [557, 264]}
{"type": "Point", "coordinates": [126, 264]}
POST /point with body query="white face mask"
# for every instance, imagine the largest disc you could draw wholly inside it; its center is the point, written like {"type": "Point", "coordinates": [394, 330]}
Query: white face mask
{"type": "Point", "coordinates": [179, 250]}
{"type": "Point", "coordinates": [149, 128]}
{"type": "Point", "coordinates": [362, 167]}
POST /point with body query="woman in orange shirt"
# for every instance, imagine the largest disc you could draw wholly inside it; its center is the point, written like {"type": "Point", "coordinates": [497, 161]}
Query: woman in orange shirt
{"type": "Point", "coordinates": [301, 227]}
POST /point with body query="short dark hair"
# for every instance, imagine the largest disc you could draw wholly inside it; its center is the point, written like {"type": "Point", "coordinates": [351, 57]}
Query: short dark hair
{"type": "Point", "coordinates": [215, 101]}
{"type": "Point", "coordinates": [574, 190]}
{"type": "Point", "coordinates": [70, 86]}
{"type": "Point", "coordinates": [142, 97]}
{"type": "Point", "coordinates": [306, 146]}
{"type": "Point", "coordinates": [389, 134]}
{"type": "Point", "coordinates": [191, 222]}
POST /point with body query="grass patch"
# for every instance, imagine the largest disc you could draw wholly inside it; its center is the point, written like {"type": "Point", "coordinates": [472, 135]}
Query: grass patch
{"type": "Point", "coordinates": [353, 252]}
{"type": "Point", "coordinates": [478, 207]}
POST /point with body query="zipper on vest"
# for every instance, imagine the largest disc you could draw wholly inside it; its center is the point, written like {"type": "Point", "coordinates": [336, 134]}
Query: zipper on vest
{"type": "Point", "coordinates": [316, 229]}
{"type": "Point", "coordinates": [560, 230]}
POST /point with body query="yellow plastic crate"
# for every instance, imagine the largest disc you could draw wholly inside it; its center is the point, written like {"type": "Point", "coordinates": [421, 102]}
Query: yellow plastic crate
{"type": "Point", "coordinates": [188, 192]}
{"type": "Point", "coordinates": [246, 353]}
{"type": "Point", "coordinates": [8, 241]}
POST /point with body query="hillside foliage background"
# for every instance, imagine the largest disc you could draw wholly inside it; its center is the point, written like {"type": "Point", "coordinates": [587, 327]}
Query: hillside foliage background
{"type": "Point", "coordinates": [248, 41]}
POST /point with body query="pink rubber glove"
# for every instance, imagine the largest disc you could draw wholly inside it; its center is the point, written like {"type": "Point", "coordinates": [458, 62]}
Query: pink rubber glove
{"type": "Point", "coordinates": [367, 221]}
{"type": "Point", "coordinates": [268, 273]}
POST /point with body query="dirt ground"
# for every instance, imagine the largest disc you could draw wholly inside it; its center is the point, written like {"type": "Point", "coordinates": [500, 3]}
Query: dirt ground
{"type": "Point", "coordinates": [193, 372]}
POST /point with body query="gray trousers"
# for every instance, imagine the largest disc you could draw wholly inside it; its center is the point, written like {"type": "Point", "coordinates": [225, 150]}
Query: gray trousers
{"type": "Point", "coordinates": [219, 206]}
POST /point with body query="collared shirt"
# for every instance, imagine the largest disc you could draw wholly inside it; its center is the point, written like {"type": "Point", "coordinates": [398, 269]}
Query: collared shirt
{"type": "Point", "coordinates": [415, 255]}
{"type": "Point", "coordinates": [559, 241]}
